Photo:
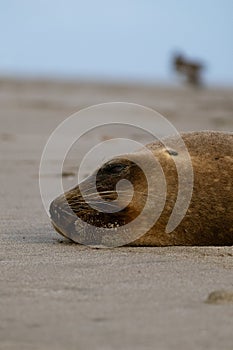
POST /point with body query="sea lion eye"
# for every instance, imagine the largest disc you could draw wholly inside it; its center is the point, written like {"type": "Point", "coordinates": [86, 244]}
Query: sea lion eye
{"type": "Point", "coordinates": [113, 168]}
{"type": "Point", "coordinates": [172, 152]}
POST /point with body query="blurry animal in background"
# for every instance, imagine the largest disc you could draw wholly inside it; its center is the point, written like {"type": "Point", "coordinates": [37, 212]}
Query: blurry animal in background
{"type": "Point", "coordinates": [190, 69]}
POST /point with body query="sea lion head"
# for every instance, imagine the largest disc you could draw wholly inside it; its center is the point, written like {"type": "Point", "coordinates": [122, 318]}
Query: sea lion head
{"type": "Point", "coordinates": [110, 198]}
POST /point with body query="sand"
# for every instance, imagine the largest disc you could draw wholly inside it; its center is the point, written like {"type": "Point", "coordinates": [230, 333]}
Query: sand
{"type": "Point", "coordinates": [58, 295]}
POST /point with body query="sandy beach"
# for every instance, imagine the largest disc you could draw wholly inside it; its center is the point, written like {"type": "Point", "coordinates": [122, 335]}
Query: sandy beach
{"type": "Point", "coordinates": [59, 295]}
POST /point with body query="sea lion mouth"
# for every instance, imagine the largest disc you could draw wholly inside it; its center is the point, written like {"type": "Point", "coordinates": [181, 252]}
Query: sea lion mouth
{"type": "Point", "coordinates": [81, 226]}
{"type": "Point", "coordinates": [80, 232]}
{"type": "Point", "coordinates": [58, 229]}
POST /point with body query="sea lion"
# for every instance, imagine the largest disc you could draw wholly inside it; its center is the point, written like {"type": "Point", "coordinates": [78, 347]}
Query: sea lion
{"type": "Point", "coordinates": [209, 218]}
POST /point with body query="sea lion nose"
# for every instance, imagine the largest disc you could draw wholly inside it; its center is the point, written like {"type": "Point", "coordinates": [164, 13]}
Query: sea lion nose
{"type": "Point", "coordinates": [61, 214]}
{"type": "Point", "coordinates": [54, 211]}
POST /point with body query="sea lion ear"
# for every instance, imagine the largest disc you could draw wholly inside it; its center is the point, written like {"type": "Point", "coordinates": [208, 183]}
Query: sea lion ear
{"type": "Point", "coordinates": [172, 152]}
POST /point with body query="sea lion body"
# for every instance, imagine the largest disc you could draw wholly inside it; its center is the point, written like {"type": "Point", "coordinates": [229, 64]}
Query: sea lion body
{"type": "Point", "coordinates": [209, 217]}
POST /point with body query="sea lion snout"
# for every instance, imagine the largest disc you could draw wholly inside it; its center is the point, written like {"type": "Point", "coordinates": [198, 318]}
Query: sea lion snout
{"type": "Point", "coordinates": [97, 202]}
{"type": "Point", "coordinates": [61, 215]}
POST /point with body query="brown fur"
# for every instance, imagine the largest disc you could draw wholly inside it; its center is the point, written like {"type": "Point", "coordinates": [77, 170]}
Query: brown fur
{"type": "Point", "coordinates": [209, 218]}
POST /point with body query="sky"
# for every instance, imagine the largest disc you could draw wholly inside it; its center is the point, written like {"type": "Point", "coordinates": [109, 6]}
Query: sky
{"type": "Point", "coordinates": [119, 40]}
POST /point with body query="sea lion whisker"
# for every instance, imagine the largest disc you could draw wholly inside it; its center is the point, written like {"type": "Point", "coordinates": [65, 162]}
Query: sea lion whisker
{"type": "Point", "coordinates": [98, 192]}
{"type": "Point", "coordinates": [80, 203]}
{"type": "Point", "coordinates": [125, 192]}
